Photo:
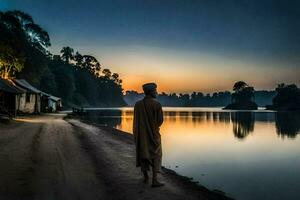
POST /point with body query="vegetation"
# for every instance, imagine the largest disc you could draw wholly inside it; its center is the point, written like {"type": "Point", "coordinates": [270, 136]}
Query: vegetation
{"type": "Point", "coordinates": [173, 99]}
{"type": "Point", "coordinates": [10, 62]}
{"type": "Point", "coordinates": [242, 98]}
{"type": "Point", "coordinates": [198, 99]}
{"type": "Point", "coordinates": [80, 80]}
{"type": "Point", "coordinates": [287, 124]}
{"type": "Point", "coordinates": [287, 98]}
{"type": "Point", "coordinates": [77, 79]}
{"type": "Point", "coordinates": [242, 123]}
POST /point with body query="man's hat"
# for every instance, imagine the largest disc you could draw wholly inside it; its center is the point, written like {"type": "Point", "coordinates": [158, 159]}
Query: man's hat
{"type": "Point", "coordinates": [148, 87]}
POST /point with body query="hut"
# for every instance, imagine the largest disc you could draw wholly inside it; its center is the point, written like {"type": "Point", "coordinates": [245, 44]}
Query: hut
{"type": "Point", "coordinates": [50, 103]}
{"type": "Point", "coordinates": [10, 94]}
{"type": "Point", "coordinates": [37, 101]}
{"type": "Point", "coordinates": [17, 96]}
{"type": "Point", "coordinates": [30, 101]}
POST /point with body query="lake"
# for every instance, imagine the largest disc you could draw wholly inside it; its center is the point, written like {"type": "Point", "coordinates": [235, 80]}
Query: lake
{"type": "Point", "coordinates": [248, 155]}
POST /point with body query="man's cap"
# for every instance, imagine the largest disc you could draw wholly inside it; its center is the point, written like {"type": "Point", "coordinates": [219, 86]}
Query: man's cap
{"type": "Point", "coordinates": [148, 87]}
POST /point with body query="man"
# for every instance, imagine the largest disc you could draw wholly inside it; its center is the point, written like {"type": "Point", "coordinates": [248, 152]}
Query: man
{"type": "Point", "coordinates": [148, 117]}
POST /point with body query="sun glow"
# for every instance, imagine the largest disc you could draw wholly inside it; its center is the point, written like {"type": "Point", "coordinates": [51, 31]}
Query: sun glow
{"type": "Point", "coordinates": [187, 71]}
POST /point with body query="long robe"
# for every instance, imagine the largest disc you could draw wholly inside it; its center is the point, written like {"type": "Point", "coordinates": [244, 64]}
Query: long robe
{"type": "Point", "coordinates": [148, 117]}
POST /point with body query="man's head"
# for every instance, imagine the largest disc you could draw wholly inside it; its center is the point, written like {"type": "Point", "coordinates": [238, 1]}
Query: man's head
{"type": "Point", "coordinates": [150, 89]}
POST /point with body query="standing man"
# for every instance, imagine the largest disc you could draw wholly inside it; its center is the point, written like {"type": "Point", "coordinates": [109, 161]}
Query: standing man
{"type": "Point", "coordinates": [148, 117]}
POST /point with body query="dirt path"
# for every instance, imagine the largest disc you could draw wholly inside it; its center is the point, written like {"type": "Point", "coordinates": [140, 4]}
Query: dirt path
{"type": "Point", "coordinates": [47, 157]}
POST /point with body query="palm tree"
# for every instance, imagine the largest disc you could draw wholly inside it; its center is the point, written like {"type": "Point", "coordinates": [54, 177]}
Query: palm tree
{"type": "Point", "coordinates": [67, 54]}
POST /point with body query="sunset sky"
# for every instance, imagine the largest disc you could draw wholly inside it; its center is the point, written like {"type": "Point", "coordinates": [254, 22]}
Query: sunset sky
{"type": "Point", "coordinates": [183, 45]}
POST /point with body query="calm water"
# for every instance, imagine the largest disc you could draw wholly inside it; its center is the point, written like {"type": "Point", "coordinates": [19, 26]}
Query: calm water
{"type": "Point", "coordinates": [248, 155]}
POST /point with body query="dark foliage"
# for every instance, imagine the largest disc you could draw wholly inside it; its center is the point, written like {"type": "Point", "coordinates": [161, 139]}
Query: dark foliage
{"type": "Point", "coordinates": [198, 99]}
{"type": "Point", "coordinates": [287, 124]}
{"type": "Point", "coordinates": [243, 124]}
{"type": "Point", "coordinates": [242, 98]}
{"type": "Point", "coordinates": [75, 78]}
{"type": "Point", "coordinates": [287, 98]}
{"type": "Point", "coordinates": [81, 86]}
{"type": "Point", "coordinates": [193, 100]}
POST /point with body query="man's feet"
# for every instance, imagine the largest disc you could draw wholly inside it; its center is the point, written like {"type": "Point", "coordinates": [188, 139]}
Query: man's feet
{"type": "Point", "coordinates": [156, 183]}
{"type": "Point", "coordinates": [146, 177]}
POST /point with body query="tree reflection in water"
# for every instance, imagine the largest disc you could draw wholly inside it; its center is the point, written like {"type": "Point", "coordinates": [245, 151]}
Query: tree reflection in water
{"type": "Point", "coordinates": [243, 123]}
{"type": "Point", "coordinates": [287, 124]}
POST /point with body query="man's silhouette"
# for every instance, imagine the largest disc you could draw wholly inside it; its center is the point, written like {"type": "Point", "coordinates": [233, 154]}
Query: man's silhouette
{"type": "Point", "coordinates": [148, 117]}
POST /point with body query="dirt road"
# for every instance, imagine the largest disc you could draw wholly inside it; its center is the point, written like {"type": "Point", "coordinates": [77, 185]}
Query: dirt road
{"type": "Point", "coordinates": [47, 157]}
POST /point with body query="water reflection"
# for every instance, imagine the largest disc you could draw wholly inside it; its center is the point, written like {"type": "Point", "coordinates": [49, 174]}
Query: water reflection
{"type": "Point", "coordinates": [243, 124]}
{"type": "Point", "coordinates": [224, 117]}
{"type": "Point", "coordinates": [287, 124]}
{"type": "Point", "coordinates": [228, 150]}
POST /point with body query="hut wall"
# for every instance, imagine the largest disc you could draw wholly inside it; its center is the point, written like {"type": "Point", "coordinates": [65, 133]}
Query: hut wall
{"type": "Point", "coordinates": [30, 103]}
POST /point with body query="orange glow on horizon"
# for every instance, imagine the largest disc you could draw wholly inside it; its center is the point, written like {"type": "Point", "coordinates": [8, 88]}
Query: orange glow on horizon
{"type": "Point", "coordinates": [187, 72]}
{"type": "Point", "coordinates": [175, 85]}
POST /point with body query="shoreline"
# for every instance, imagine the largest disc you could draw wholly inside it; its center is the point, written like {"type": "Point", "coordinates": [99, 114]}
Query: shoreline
{"type": "Point", "coordinates": [52, 156]}
{"type": "Point", "coordinates": [185, 182]}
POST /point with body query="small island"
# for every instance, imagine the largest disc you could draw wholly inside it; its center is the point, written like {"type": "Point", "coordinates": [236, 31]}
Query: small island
{"type": "Point", "coordinates": [286, 99]}
{"type": "Point", "coordinates": [242, 98]}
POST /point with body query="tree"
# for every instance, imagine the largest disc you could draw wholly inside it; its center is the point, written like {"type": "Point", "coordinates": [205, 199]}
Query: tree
{"type": "Point", "coordinates": [23, 46]}
{"type": "Point", "coordinates": [78, 58]}
{"type": "Point", "coordinates": [91, 64]}
{"type": "Point", "coordinates": [116, 78]}
{"type": "Point", "coordinates": [287, 98]}
{"type": "Point", "coordinates": [10, 62]}
{"type": "Point", "coordinates": [107, 73]}
{"type": "Point", "coordinates": [10, 21]}
{"type": "Point", "coordinates": [28, 42]}
{"type": "Point", "coordinates": [67, 54]}
{"type": "Point", "coordinates": [56, 57]}
{"type": "Point", "coordinates": [38, 37]}
{"type": "Point", "coordinates": [242, 92]}
{"type": "Point", "coordinates": [21, 22]}
{"type": "Point", "coordinates": [23, 18]}
{"type": "Point", "coordinates": [238, 86]}
{"type": "Point", "coordinates": [242, 98]}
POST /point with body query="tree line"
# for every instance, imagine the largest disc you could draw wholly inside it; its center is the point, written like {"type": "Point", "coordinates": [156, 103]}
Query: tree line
{"type": "Point", "coordinates": [242, 97]}
{"type": "Point", "coordinates": [286, 98]}
{"type": "Point", "coordinates": [199, 99]}
{"type": "Point", "coordinates": [78, 79]}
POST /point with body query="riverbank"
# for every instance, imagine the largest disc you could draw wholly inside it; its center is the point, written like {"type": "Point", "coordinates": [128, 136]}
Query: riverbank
{"type": "Point", "coordinates": [53, 157]}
